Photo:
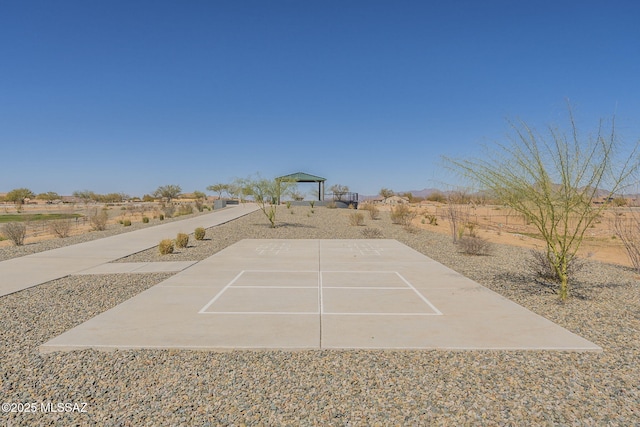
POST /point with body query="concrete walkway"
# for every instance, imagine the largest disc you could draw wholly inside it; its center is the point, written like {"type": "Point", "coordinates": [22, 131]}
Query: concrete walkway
{"type": "Point", "coordinates": [32, 270]}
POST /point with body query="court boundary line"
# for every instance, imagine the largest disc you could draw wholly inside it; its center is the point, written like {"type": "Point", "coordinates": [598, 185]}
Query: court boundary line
{"type": "Point", "coordinates": [321, 309]}
{"type": "Point", "coordinates": [219, 294]}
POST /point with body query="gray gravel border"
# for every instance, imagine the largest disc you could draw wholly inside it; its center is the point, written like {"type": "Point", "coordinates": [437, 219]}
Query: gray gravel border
{"type": "Point", "coordinates": [170, 387]}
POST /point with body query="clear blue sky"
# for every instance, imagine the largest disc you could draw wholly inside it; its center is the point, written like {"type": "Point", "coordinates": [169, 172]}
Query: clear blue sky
{"type": "Point", "coordinates": [125, 96]}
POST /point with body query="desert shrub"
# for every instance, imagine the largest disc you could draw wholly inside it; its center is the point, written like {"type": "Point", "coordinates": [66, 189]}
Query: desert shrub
{"type": "Point", "coordinates": [98, 219]}
{"type": "Point", "coordinates": [474, 245]}
{"type": "Point", "coordinates": [471, 228]}
{"type": "Point", "coordinates": [60, 227]}
{"type": "Point", "coordinates": [168, 211]}
{"type": "Point", "coordinates": [402, 215]}
{"type": "Point", "coordinates": [161, 217]}
{"type": "Point", "coordinates": [433, 220]}
{"type": "Point", "coordinates": [332, 205]}
{"type": "Point", "coordinates": [199, 205]}
{"type": "Point", "coordinates": [288, 204]}
{"type": "Point", "coordinates": [356, 218]}
{"type": "Point", "coordinates": [15, 231]}
{"type": "Point", "coordinates": [628, 231]}
{"type": "Point", "coordinates": [619, 202]}
{"type": "Point", "coordinates": [126, 222]}
{"type": "Point", "coordinates": [436, 196]}
{"type": "Point", "coordinates": [199, 233]}
{"type": "Point", "coordinates": [374, 212]}
{"type": "Point", "coordinates": [312, 203]}
{"type": "Point", "coordinates": [458, 217]}
{"type": "Point", "coordinates": [540, 266]}
{"type": "Point", "coordinates": [372, 233]}
{"type": "Point", "coordinates": [145, 219]}
{"type": "Point", "coordinates": [166, 246]}
{"type": "Point", "coordinates": [184, 210]}
{"type": "Point", "coordinates": [182, 240]}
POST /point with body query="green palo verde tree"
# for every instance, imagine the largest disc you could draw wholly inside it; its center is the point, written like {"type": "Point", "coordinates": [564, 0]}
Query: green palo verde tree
{"type": "Point", "coordinates": [267, 194]}
{"type": "Point", "coordinates": [168, 192]}
{"type": "Point", "coordinates": [554, 180]}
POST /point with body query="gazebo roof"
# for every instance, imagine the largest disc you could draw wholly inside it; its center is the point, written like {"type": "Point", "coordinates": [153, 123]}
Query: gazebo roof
{"type": "Point", "coordinates": [302, 177]}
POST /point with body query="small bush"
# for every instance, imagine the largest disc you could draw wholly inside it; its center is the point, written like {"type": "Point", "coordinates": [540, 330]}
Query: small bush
{"type": "Point", "coordinates": [161, 217]}
{"type": "Point", "coordinates": [436, 196]}
{"type": "Point", "coordinates": [168, 211]}
{"type": "Point", "coordinates": [98, 220]}
{"type": "Point", "coordinates": [374, 212]}
{"type": "Point", "coordinates": [473, 245]}
{"type": "Point", "coordinates": [16, 232]}
{"type": "Point", "coordinates": [356, 218]}
{"type": "Point", "coordinates": [126, 223]}
{"type": "Point", "coordinates": [312, 203]}
{"type": "Point", "coordinates": [60, 227]}
{"type": "Point", "coordinates": [199, 233]}
{"type": "Point", "coordinates": [182, 240]}
{"type": "Point", "coordinates": [372, 233]}
{"type": "Point", "coordinates": [332, 205]}
{"type": "Point", "coordinates": [145, 219]}
{"type": "Point", "coordinates": [166, 246]}
{"type": "Point", "coordinates": [402, 215]}
{"type": "Point", "coordinates": [433, 220]}
{"type": "Point", "coordinates": [199, 205]}
{"type": "Point", "coordinates": [288, 204]}
{"type": "Point", "coordinates": [184, 210]}
{"type": "Point", "coordinates": [540, 266]}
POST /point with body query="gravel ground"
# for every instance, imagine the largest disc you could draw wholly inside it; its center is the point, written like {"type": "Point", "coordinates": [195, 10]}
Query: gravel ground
{"type": "Point", "coordinates": [8, 252]}
{"type": "Point", "coordinates": [166, 387]}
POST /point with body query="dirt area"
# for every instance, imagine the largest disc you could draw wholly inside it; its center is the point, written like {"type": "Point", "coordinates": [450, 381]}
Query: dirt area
{"type": "Point", "coordinates": [41, 229]}
{"type": "Point", "coordinates": [497, 224]}
{"type": "Point", "coordinates": [502, 225]}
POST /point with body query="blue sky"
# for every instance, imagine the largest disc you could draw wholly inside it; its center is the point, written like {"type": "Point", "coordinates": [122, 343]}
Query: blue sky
{"type": "Point", "coordinates": [125, 96]}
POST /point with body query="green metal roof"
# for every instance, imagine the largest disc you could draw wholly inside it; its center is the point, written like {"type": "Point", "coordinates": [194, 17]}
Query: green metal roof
{"type": "Point", "coordinates": [302, 177]}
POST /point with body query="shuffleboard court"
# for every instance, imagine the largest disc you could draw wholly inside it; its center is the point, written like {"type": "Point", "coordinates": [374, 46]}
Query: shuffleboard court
{"type": "Point", "coordinates": [319, 294]}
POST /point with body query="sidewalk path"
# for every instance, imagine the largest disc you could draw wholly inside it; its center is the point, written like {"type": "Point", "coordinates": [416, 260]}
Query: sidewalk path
{"type": "Point", "coordinates": [32, 270]}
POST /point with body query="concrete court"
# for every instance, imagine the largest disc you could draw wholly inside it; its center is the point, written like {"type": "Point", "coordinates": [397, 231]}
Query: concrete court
{"type": "Point", "coordinates": [318, 294]}
{"type": "Point", "coordinates": [32, 270]}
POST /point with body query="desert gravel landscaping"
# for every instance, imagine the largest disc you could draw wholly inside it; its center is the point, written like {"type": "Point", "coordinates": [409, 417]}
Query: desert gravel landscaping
{"type": "Point", "coordinates": [170, 387]}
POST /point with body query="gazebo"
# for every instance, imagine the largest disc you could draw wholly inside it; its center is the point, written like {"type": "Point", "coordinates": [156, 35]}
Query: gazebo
{"type": "Point", "coordinates": [305, 177]}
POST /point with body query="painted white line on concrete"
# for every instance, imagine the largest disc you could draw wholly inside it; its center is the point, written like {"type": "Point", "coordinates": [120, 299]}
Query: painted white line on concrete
{"type": "Point", "coordinates": [359, 271]}
{"type": "Point", "coordinates": [329, 313]}
{"type": "Point", "coordinates": [422, 297]}
{"type": "Point", "coordinates": [204, 309]}
{"type": "Point", "coordinates": [281, 271]}
{"type": "Point", "coordinates": [320, 296]}
{"type": "Point", "coordinates": [261, 312]}
{"type": "Point", "coordinates": [394, 288]}
{"type": "Point", "coordinates": [271, 287]}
